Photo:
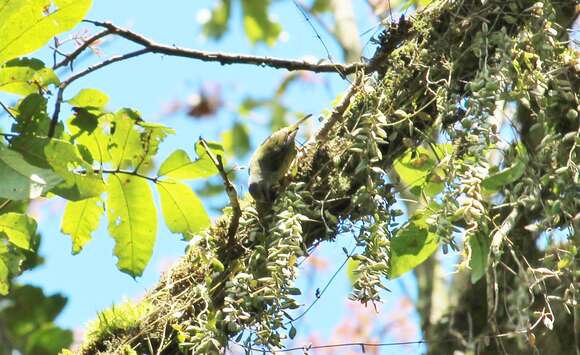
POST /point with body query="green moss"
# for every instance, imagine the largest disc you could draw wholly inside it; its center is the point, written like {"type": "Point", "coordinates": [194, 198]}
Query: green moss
{"type": "Point", "coordinates": [124, 316]}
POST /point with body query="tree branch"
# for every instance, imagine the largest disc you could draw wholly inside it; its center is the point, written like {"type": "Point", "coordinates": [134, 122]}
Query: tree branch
{"type": "Point", "coordinates": [228, 58]}
{"type": "Point", "coordinates": [152, 47]}
{"type": "Point", "coordinates": [88, 70]}
{"type": "Point", "coordinates": [8, 111]}
{"type": "Point", "coordinates": [69, 58]}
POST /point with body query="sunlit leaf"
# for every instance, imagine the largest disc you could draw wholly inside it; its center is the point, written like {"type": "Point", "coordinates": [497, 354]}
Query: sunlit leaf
{"type": "Point", "coordinates": [4, 274]}
{"type": "Point", "coordinates": [87, 130]}
{"type": "Point", "coordinates": [89, 98]}
{"type": "Point", "coordinates": [351, 266]}
{"type": "Point", "coordinates": [125, 145]}
{"type": "Point", "coordinates": [21, 180]}
{"type": "Point", "coordinates": [132, 222]}
{"type": "Point", "coordinates": [10, 266]}
{"type": "Point", "coordinates": [217, 25]}
{"type": "Point", "coordinates": [182, 209]}
{"type": "Point", "coordinates": [80, 220]}
{"type": "Point", "coordinates": [56, 154]}
{"type": "Point", "coordinates": [18, 228]}
{"type": "Point", "coordinates": [76, 187]}
{"type": "Point", "coordinates": [26, 76]}
{"type": "Point", "coordinates": [151, 137]}
{"type": "Point", "coordinates": [418, 171]}
{"type": "Point", "coordinates": [65, 159]}
{"type": "Point", "coordinates": [257, 24]}
{"type": "Point", "coordinates": [179, 166]}
{"type": "Point", "coordinates": [411, 246]}
{"type": "Point", "coordinates": [27, 25]}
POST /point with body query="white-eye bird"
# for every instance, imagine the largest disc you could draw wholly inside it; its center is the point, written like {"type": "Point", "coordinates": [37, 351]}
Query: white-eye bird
{"type": "Point", "coordinates": [270, 162]}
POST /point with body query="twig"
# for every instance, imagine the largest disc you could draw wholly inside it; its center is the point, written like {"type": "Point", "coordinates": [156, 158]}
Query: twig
{"type": "Point", "coordinates": [125, 172]}
{"type": "Point", "coordinates": [304, 10]}
{"type": "Point", "coordinates": [72, 56]}
{"type": "Point", "coordinates": [229, 58]}
{"type": "Point", "coordinates": [231, 191]}
{"type": "Point", "coordinates": [88, 70]}
{"type": "Point", "coordinates": [339, 345]}
{"type": "Point", "coordinates": [8, 111]}
{"type": "Point", "coordinates": [338, 111]}
{"type": "Point", "coordinates": [319, 294]}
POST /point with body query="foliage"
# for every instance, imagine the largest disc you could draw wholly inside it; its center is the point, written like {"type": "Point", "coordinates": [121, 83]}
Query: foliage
{"type": "Point", "coordinates": [31, 329]}
{"type": "Point", "coordinates": [425, 122]}
{"type": "Point", "coordinates": [258, 25]}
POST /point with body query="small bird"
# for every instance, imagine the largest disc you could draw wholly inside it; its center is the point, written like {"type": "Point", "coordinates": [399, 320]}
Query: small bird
{"type": "Point", "coordinates": [270, 162]}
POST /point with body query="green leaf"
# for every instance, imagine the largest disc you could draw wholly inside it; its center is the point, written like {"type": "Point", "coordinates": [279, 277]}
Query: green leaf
{"type": "Point", "coordinates": [179, 166]}
{"type": "Point", "coordinates": [49, 339]}
{"type": "Point", "coordinates": [26, 76]}
{"type": "Point", "coordinates": [88, 129]}
{"type": "Point", "coordinates": [236, 141]}
{"type": "Point", "coordinates": [28, 25]}
{"type": "Point", "coordinates": [217, 25]}
{"type": "Point", "coordinates": [182, 209]}
{"type": "Point", "coordinates": [257, 24]}
{"type": "Point", "coordinates": [479, 254]}
{"type": "Point", "coordinates": [19, 228]}
{"type": "Point", "coordinates": [4, 274]}
{"type": "Point", "coordinates": [76, 187]}
{"type": "Point", "coordinates": [152, 136]}
{"type": "Point", "coordinates": [31, 116]}
{"type": "Point", "coordinates": [132, 222]}
{"type": "Point", "coordinates": [30, 310]}
{"type": "Point", "coordinates": [418, 170]}
{"type": "Point", "coordinates": [292, 332]}
{"type": "Point", "coordinates": [10, 265]}
{"type": "Point", "coordinates": [351, 270]}
{"type": "Point", "coordinates": [495, 181]}
{"type": "Point", "coordinates": [125, 145]}
{"type": "Point", "coordinates": [47, 153]}
{"type": "Point", "coordinates": [21, 180]}
{"type": "Point", "coordinates": [411, 246]}
{"type": "Point", "coordinates": [64, 158]}
{"type": "Point", "coordinates": [89, 98]}
{"type": "Point", "coordinates": [80, 219]}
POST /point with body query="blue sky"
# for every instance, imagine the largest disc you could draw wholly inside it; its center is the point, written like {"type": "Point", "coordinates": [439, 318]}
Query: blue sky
{"type": "Point", "coordinates": [90, 280]}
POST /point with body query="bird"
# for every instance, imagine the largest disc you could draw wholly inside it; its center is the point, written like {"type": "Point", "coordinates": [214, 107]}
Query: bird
{"type": "Point", "coordinates": [271, 161]}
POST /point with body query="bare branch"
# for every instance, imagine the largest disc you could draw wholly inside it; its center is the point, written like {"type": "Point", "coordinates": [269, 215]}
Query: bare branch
{"type": "Point", "coordinates": [8, 111]}
{"type": "Point", "coordinates": [69, 58]}
{"type": "Point", "coordinates": [228, 58]}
